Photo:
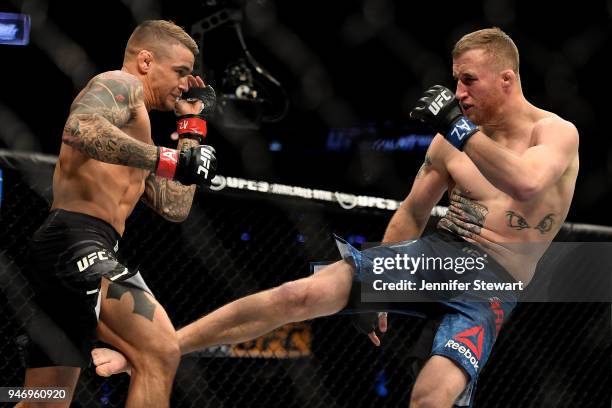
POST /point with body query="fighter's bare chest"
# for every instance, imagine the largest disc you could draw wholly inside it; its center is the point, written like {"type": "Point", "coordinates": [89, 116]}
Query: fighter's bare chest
{"type": "Point", "coordinates": [465, 176]}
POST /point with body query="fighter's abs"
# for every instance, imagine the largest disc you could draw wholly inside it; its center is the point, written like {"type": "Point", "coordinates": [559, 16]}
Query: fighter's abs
{"type": "Point", "coordinates": [106, 191]}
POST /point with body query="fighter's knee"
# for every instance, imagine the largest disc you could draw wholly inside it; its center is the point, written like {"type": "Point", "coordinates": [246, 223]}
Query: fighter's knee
{"type": "Point", "coordinates": [428, 401]}
{"type": "Point", "coordinates": [429, 397]}
{"type": "Point", "coordinates": [293, 298]}
{"type": "Point", "coordinates": [170, 354]}
{"type": "Point", "coordinates": [163, 355]}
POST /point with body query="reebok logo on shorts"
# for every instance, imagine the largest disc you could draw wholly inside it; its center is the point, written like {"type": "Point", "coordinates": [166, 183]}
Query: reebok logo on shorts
{"type": "Point", "coordinates": [88, 260]}
{"type": "Point", "coordinates": [473, 339]}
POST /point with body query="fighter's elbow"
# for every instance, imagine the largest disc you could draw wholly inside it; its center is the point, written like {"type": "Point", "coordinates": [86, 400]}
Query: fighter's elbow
{"type": "Point", "coordinates": [75, 129]}
{"type": "Point", "coordinates": [71, 133]}
{"type": "Point", "coordinates": [526, 190]}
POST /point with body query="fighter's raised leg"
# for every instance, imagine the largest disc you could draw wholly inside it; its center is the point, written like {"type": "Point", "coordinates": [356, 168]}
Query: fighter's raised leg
{"type": "Point", "coordinates": [321, 294]}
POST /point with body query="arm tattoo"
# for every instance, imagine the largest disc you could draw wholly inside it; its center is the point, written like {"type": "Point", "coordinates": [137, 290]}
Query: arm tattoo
{"type": "Point", "coordinates": [170, 199]}
{"type": "Point", "coordinates": [465, 216]}
{"type": "Point", "coordinates": [424, 166]}
{"type": "Point", "coordinates": [518, 222]}
{"type": "Point", "coordinates": [96, 117]}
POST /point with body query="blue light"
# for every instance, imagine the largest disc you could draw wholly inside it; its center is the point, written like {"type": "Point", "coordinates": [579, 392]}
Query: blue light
{"type": "Point", "coordinates": [14, 29]}
{"type": "Point", "coordinates": [381, 384]}
{"type": "Point", "coordinates": [276, 146]}
{"type": "Point", "coordinates": [382, 390]}
{"type": "Point", "coordinates": [356, 239]}
{"type": "Point", "coordinates": [411, 142]}
{"type": "Point", "coordinates": [245, 236]}
{"type": "Point", "coordinates": [300, 238]}
{"type": "Point", "coordinates": [106, 391]}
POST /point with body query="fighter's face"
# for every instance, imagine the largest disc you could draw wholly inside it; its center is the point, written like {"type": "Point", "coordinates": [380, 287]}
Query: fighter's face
{"type": "Point", "coordinates": [478, 85]}
{"type": "Point", "coordinates": [169, 76]}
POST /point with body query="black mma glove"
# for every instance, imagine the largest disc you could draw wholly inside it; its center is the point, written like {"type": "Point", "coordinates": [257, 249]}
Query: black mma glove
{"type": "Point", "coordinates": [193, 126]}
{"type": "Point", "coordinates": [439, 108]}
{"type": "Point", "coordinates": [366, 322]}
{"type": "Point", "coordinates": [195, 165]}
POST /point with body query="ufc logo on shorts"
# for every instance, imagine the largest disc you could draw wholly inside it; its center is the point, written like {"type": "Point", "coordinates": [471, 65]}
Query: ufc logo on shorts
{"type": "Point", "coordinates": [86, 261]}
{"type": "Point", "coordinates": [205, 156]}
{"type": "Point", "coordinates": [438, 103]}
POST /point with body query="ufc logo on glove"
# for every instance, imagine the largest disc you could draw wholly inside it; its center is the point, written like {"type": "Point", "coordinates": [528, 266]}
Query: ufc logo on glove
{"type": "Point", "coordinates": [205, 156]}
{"type": "Point", "coordinates": [438, 103]}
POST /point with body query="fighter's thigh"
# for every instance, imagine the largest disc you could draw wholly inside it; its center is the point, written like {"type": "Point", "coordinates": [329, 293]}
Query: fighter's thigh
{"type": "Point", "coordinates": [327, 291]}
{"type": "Point", "coordinates": [440, 382]}
{"type": "Point", "coordinates": [135, 317]}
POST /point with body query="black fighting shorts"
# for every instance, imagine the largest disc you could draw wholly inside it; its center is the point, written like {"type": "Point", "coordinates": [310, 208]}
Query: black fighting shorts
{"type": "Point", "coordinates": [68, 256]}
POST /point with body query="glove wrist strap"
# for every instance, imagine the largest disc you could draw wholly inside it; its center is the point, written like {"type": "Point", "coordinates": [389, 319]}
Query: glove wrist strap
{"type": "Point", "coordinates": [460, 131]}
{"type": "Point", "coordinates": [167, 160]}
{"type": "Point", "coordinates": [191, 126]}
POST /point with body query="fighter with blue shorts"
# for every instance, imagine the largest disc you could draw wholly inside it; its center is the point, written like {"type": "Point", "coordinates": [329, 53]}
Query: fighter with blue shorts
{"type": "Point", "coordinates": [466, 321]}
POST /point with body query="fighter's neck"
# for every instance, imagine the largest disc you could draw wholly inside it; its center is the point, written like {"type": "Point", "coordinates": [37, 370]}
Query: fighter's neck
{"type": "Point", "coordinates": [510, 120]}
{"type": "Point", "coordinates": [147, 91]}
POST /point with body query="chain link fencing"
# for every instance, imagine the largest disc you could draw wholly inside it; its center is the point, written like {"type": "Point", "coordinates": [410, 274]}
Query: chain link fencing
{"type": "Point", "coordinates": [235, 243]}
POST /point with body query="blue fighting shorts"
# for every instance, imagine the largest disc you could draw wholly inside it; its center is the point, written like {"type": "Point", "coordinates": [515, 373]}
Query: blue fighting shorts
{"type": "Point", "coordinates": [470, 321]}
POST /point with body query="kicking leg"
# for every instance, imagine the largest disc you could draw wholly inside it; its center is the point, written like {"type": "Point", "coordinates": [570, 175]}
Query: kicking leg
{"type": "Point", "coordinates": [108, 361]}
{"type": "Point", "coordinates": [324, 293]}
{"type": "Point", "coordinates": [321, 294]}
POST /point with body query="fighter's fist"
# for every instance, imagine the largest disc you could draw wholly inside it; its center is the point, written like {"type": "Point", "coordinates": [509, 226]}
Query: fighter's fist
{"type": "Point", "coordinates": [196, 105]}
{"type": "Point", "coordinates": [205, 95]}
{"type": "Point", "coordinates": [195, 165]}
{"type": "Point", "coordinates": [440, 109]}
{"type": "Point", "coordinates": [199, 99]}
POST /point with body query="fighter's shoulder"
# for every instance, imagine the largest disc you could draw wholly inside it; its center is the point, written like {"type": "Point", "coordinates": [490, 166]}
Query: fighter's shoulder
{"type": "Point", "coordinates": [119, 76]}
{"type": "Point", "coordinates": [553, 128]}
{"type": "Point", "coordinates": [120, 83]}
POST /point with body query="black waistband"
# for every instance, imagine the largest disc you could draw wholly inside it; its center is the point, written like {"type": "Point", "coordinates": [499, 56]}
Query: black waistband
{"type": "Point", "coordinates": [448, 236]}
{"type": "Point", "coordinates": [79, 221]}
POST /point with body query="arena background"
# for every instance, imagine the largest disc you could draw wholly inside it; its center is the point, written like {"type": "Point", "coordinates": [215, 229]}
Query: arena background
{"type": "Point", "coordinates": [349, 73]}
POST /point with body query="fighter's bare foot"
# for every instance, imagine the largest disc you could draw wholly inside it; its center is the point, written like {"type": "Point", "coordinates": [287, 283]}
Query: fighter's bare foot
{"type": "Point", "coordinates": [109, 362]}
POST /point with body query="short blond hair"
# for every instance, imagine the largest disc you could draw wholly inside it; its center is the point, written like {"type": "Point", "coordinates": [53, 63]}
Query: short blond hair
{"type": "Point", "coordinates": [155, 35]}
{"type": "Point", "coordinates": [497, 44]}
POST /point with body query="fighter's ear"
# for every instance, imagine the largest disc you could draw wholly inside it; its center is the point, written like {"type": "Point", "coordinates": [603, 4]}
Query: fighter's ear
{"type": "Point", "coordinates": [508, 78]}
{"type": "Point", "coordinates": [144, 58]}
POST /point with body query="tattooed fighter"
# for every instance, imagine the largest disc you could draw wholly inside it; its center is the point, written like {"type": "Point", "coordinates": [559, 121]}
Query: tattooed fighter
{"type": "Point", "coordinates": [106, 163]}
{"type": "Point", "coordinates": [510, 170]}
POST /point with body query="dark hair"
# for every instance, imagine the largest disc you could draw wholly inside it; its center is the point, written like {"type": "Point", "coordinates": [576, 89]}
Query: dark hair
{"type": "Point", "coordinates": [154, 35]}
